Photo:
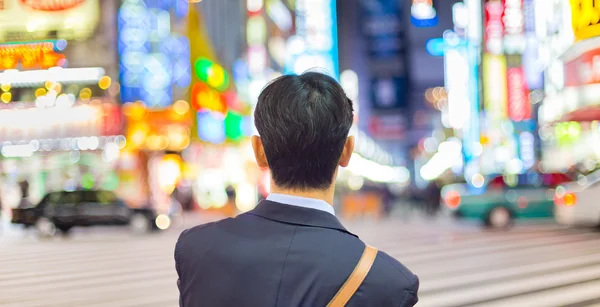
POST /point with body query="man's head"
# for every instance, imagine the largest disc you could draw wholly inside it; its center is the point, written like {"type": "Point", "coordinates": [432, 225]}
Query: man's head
{"type": "Point", "coordinates": [303, 122]}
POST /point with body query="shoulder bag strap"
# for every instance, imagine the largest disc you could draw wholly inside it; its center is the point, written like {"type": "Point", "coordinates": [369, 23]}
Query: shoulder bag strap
{"type": "Point", "coordinates": [356, 278]}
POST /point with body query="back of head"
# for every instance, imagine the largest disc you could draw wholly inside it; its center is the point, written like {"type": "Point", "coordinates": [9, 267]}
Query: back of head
{"type": "Point", "coordinates": [303, 122]}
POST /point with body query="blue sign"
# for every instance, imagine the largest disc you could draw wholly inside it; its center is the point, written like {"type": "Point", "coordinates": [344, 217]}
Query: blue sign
{"type": "Point", "coordinates": [316, 26]}
{"type": "Point", "coordinates": [424, 23]}
{"type": "Point", "coordinates": [383, 29]}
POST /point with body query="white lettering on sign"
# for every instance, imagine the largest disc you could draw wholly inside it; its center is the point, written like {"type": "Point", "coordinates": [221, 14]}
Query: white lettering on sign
{"type": "Point", "coordinates": [589, 72]}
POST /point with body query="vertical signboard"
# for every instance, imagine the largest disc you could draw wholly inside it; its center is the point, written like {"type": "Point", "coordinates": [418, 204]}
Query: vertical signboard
{"type": "Point", "coordinates": [316, 26]}
{"type": "Point", "coordinates": [513, 19]}
{"type": "Point", "coordinates": [494, 82]}
{"type": "Point", "coordinates": [519, 108]}
{"type": "Point", "coordinates": [153, 60]}
{"type": "Point", "coordinates": [382, 28]}
{"type": "Point", "coordinates": [494, 27]}
{"type": "Point", "coordinates": [531, 62]}
{"type": "Point", "coordinates": [457, 80]}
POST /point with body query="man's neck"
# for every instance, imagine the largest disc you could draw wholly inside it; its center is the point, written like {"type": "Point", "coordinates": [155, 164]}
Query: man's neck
{"type": "Point", "coordinates": [325, 195]}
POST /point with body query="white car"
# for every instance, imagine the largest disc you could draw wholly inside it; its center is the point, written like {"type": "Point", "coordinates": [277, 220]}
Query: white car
{"type": "Point", "coordinates": [577, 203]}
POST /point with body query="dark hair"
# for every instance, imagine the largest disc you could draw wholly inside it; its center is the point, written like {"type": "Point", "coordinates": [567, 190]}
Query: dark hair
{"type": "Point", "coordinates": [303, 121]}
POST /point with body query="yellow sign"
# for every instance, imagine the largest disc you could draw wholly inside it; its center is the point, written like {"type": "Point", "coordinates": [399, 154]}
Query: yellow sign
{"type": "Point", "coordinates": [585, 17]}
{"type": "Point", "coordinates": [71, 19]}
{"type": "Point", "coordinates": [495, 97]}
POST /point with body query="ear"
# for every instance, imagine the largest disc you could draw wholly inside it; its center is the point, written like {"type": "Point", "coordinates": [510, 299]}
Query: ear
{"type": "Point", "coordinates": [259, 152]}
{"type": "Point", "coordinates": [347, 152]}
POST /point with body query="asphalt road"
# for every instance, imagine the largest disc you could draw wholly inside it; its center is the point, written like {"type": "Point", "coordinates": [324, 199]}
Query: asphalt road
{"type": "Point", "coordinates": [530, 265]}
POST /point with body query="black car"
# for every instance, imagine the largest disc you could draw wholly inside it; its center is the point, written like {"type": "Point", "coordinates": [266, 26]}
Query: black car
{"type": "Point", "coordinates": [66, 209]}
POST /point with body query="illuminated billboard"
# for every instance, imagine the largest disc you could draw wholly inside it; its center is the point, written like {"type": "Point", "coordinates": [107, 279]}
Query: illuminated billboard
{"type": "Point", "coordinates": [494, 83]}
{"type": "Point", "coordinates": [584, 18]}
{"type": "Point", "coordinates": [316, 27]}
{"type": "Point", "coordinates": [153, 60]}
{"type": "Point", "coordinates": [422, 13]}
{"type": "Point", "coordinates": [71, 19]}
{"type": "Point", "coordinates": [33, 55]}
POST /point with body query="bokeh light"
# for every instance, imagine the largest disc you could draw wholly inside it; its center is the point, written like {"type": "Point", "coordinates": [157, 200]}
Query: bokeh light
{"type": "Point", "coordinates": [104, 82]}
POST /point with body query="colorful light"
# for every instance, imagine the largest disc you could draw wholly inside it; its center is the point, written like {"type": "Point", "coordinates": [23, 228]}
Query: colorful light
{"type": "Point", "coordinates": [181, 107]}
{"type": "Point", "coordinates": [6, 97]}
{"type": "Point", "coordinates": [212, 74]}
{"type": "Point", "coordinates": [211, 127]}
{"type": "Point", "coordinates": [40, 92]}
{"type": "Point", "coordinates": [104, 82]}
{"type": "Point", "coordinates": [85, 94]}
{"type": "Point", "coordinates": [206, 99]}
{"type": "Point", "coordinates": [422, 13]}
{"type": "Point", "coordinates": [233, 126]}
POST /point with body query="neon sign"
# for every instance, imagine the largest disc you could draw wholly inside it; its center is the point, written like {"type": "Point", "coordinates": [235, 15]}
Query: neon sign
{"type": "Point", "coordinates": [583, 70]}
{"type": "Point", "coordinates": [494, 27]}
{"type": "Point", "coordinates": [519, 108]}
{"type": "Point", "coordinates": [494, 83]}
{"type": "Point", "coordinates": [584, 17]}
{"type": "Point", "coordinates": [154, 61]}
{"type": "Point", "coordinates": [422, 13]}
{"type": "Point", "coordinates": [317, 27]}
{"type": "Point", "coordinates": [514, 26]}
{"type": "Point", "coordinates": [32, 55]}
{"type": "Point", "coordinates": [207, 99]}
{"type": "Point", "coordinates": [52, 5]}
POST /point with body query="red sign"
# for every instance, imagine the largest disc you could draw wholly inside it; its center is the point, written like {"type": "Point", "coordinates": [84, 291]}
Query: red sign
{"type": "Point", "coordinates": [391, 127]}
{"type": "Point", "coordinates": [494, 26]}
{"type": "Point", "coordinates": [519, 108]}
{"type": "Point", "coordinates": [52, 5]}
{"type": "Point", "coordinates": [34, 55]}
{"type": "Point", "coordinates": [112, 119]}
{"type": "Point", "coordinates": [584, 69]}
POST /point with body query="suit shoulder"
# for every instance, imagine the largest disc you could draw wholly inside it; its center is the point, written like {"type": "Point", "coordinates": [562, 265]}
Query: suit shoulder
{"type": "Point", "coordinates": [200, 230]}
{"type": "Point", "coordinates": [392, 270]}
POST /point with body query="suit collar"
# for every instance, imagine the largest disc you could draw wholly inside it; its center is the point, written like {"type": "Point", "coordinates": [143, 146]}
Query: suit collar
{"type": "Point", "coordinates": [297, 215]}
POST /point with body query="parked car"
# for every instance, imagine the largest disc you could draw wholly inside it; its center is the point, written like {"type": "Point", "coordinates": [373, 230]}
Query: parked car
{"type": "Point", "coordinates": [502, 199]}
{"type": "Point", "coordinates": [577, 203]}
{"type": "Point", "coordinates": [67, 209]}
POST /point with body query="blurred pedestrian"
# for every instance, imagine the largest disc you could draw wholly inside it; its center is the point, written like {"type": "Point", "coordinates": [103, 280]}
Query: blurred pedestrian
{"type": "Point", "coordinates": [24, 187]}
{"type": "Point", "coordinates": [291, 250]}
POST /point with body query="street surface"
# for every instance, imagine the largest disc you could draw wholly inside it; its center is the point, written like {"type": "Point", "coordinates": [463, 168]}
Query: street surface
{"type": "Point", "coordinates": [531, 265]}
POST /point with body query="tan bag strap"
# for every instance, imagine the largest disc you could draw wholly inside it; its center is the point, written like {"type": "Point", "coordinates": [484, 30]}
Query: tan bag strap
{"type": "Point", "coordinates": [356, 278]}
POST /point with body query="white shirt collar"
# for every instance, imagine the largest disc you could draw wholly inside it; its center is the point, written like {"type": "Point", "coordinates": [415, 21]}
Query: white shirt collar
{"type": "Point", "coordinates": [305, 202]}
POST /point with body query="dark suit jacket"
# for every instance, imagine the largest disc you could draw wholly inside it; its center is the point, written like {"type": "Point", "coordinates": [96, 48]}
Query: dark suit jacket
{"type": "Point", "coordinates": [284, 256]}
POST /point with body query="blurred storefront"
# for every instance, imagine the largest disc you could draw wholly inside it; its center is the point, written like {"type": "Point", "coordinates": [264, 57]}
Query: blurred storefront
{"type": "Point", "coordinates": [155, 73]}
{"type": "Point", "coordinates": [60, 121]}
{"type": "Point", "coordinates": [570, 111]}
{"type": "Point", "coordinates": [512, 84]}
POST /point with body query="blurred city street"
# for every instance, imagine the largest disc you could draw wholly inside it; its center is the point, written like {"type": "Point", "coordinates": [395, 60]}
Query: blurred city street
{"type": "Point", "coordinates": [534, 264]}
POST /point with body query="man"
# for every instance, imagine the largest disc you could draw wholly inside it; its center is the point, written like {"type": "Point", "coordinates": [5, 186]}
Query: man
{"type": "Point", "coordinates": [290, 250]}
